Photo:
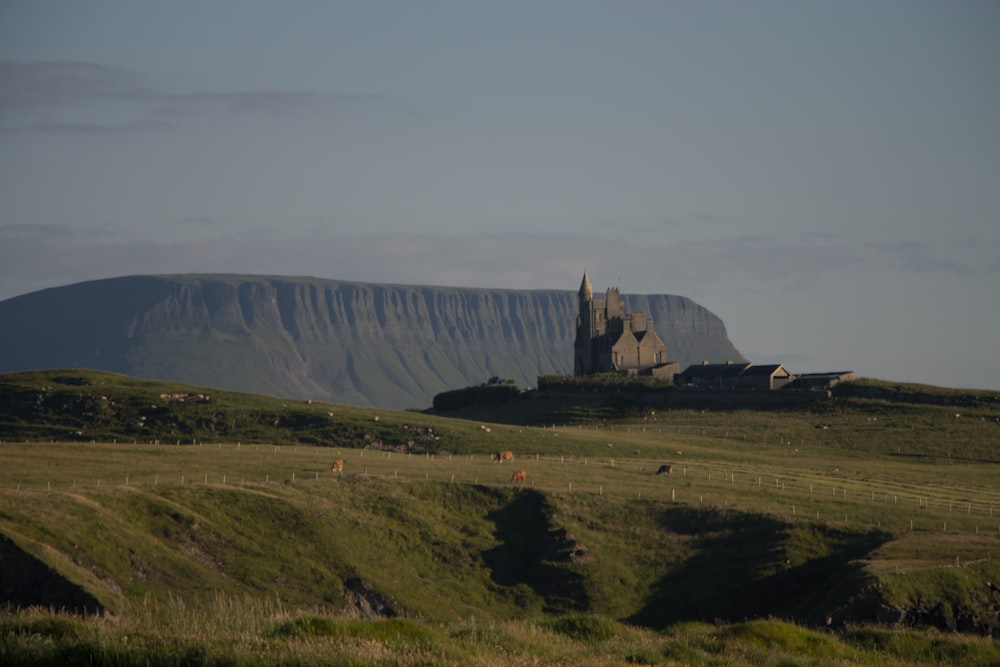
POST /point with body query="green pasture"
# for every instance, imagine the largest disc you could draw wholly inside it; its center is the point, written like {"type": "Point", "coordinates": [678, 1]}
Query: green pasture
{"type": "Point", "coordinates": [216, 533]}
{"type": "Point", "coordinates": [938, 514]}
{"type": "Point", "coordinates": [772, 464]}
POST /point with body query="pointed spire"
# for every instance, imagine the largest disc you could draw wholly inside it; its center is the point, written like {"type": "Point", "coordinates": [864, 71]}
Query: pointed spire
{"type": "Point", "coordinates": [586, 289]}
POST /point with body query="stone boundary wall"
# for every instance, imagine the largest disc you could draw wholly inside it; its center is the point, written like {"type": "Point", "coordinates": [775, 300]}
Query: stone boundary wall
{"type": "Point", "coordinates": [743, 399]}
{"type": "Point", "coordinates": [692, 398]}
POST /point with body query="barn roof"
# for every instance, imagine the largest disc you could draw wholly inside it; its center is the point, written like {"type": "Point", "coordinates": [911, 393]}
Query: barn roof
{"type": "Point", "coordinates": [728, 369]}
{"type": "Point", "coordinates": [765, 370]}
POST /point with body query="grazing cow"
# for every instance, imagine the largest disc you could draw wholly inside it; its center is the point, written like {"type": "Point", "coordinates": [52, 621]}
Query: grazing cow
{"type": "Point", "coordinates": [665, 469]}
{"type": "Point", "coordinates": [500, 457]}
{"type": "Point", "coordinates": [519, 476]}
{"type": "Point", "coordinates": [338, 466]}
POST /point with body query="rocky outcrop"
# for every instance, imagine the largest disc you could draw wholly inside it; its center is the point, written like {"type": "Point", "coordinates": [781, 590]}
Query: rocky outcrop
{"type": "Point", "coordinates": [363, 601]}
{"type": "Point", "coordinates": [870, 606]}
{"type": "Point", "coordinates": [394, 346]}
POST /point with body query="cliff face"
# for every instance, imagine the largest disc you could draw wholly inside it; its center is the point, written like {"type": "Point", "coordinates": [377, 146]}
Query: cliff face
{"type": "Point", "coordinates": [355, 343]}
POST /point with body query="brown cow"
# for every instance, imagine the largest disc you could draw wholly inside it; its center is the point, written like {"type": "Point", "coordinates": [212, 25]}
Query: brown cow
{"type": "Point", "coordinates": [500, 457]}
{"type": "Point", "coordinates": [519, 476]}
{"type": "Point", "coordinates": [338, 466]}
{"type": "Point", "coordinates": [665, 469]}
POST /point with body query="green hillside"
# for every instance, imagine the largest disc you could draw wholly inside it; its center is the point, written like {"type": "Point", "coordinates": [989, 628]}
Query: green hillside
{"type": "Point", "coordinates": [857, 532]}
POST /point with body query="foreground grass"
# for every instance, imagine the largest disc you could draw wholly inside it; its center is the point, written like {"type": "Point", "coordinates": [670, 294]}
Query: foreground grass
{"type": "Point", "coordinates": [249, 632]}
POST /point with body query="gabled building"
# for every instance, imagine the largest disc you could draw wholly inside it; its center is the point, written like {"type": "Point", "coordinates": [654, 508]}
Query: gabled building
{"type": "Point", "coordinates": [712, 376]}
{"type": "Point", "coordinates": [820, 381]}
{"type": "Point", "coordinates": [731, 376]}
{"type": "Point", "coordinates": [608, 339]}
{"type": "Point", "coordinates": [765, 378]}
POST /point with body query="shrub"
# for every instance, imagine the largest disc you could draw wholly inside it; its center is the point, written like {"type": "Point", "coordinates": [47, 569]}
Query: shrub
{"type": "Point", "coordinates": [585, 628]}
{"type": "Point", "coordinates": [394, 630]}
{"type": "Point", "coordinates": [619, 381]}
{"type": "Point", "coordinates": [494, 391]}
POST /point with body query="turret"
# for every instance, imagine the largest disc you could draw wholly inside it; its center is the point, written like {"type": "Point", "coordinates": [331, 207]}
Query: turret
{"type": "Point", "coordinates": [584, 329]}
{"type": "Point", "coordinates": [586, 289]}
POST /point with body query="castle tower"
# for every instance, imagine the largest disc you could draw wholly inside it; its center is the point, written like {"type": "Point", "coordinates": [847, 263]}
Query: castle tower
{"type": "Point", "coordinates": [586, 289]}
{"type": "Point", "coordinates": [585, 329]}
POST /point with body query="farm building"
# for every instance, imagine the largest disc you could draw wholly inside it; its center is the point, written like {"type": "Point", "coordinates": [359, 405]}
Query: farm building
{"type": "Point", "coordinates": [712, 376]}
{"type": "Point", "coordinates": [819, 381]}
{"type": "Point", "coordinates": [765, 378]}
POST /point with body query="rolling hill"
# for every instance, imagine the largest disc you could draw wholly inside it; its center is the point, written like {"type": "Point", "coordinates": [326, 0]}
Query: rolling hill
{"type": "Point", "coordinates": [353, 343]}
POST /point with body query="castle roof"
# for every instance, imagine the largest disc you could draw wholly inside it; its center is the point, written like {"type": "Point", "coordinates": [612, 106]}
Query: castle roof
{"type": "Point", "coordinates": [586, 289]}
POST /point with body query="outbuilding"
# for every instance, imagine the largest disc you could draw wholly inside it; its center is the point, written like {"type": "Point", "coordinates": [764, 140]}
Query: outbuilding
{"type": "Point", "coordinates": [767, 377]}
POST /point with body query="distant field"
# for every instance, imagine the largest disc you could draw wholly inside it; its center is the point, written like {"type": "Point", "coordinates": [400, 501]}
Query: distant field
{"type": "Point", "coordinates": [810, 481]}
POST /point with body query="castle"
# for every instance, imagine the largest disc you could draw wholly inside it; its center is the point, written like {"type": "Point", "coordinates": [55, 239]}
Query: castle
{"type": "Point", "coordinates": [608, 339]}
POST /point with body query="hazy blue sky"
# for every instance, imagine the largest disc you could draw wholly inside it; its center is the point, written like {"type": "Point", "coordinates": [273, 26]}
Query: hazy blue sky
{"type": "Point", "coordinates": [824, 176]}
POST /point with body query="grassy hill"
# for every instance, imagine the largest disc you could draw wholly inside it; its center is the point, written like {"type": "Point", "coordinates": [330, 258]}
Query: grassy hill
{"type": "Point", "coordinates": [858, 531]}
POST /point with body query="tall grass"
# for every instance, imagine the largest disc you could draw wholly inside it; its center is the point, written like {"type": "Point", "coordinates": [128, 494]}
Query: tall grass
{"type": "Point", "coordinates": [250, 632]}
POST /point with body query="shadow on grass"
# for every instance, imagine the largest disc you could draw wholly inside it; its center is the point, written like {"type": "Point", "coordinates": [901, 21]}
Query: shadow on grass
{"type": "Point", "coordinates": [753, 566]}
{"type": "Point", "coordinates": [25, 581]}
{"type": "Point", "coordinates": [533, 553]}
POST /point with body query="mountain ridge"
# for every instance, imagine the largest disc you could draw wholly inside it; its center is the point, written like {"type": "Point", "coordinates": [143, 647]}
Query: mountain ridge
{"type": "Point", "coordinates": [302, 337]}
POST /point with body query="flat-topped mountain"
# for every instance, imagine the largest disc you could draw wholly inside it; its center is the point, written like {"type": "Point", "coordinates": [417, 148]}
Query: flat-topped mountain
{"type": "Point", "coordinates": [394, 346]}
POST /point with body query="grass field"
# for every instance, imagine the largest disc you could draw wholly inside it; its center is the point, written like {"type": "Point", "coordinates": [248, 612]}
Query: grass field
{"type": "Point", "coordinates": [779, 538]}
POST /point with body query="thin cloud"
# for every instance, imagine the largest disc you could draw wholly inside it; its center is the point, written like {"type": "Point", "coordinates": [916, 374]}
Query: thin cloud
{"type": "Point", "coordinates": [34, 86]}
{"type": "Point", "coordinates": [98, 128]}
{"type": "Point", "coordinates": [273, 102]}
{"type": "Point", "coordinates": [60, 97]}
{"type": "Point", "coordinates": [39, 253]}
{"type": "Point", "coordinates": [199, 221]}
{"type": "Point", "coordinates": [956, 258]}
{"type": "Point", "coordinates": [761, 259]}
{"type": "Point", "coordinates": [768, 259]}
{"type": "Point", "coordinates": [29, 231]}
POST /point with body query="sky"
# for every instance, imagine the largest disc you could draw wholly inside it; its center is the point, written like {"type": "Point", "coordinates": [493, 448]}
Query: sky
{"type": "Point", "coordinates": [823, 176]}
